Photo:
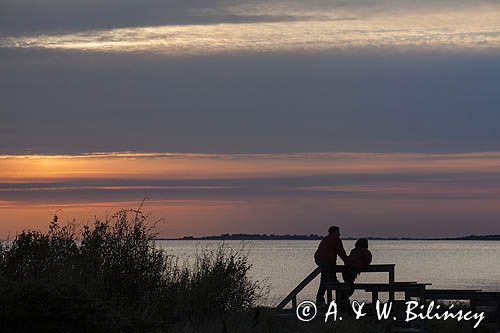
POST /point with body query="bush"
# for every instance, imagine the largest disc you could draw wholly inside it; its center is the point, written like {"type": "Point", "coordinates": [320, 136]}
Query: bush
{"type": "Point", "coordinates": [216, 283]}
{"type": "Point", "coordinates": [110, 277]}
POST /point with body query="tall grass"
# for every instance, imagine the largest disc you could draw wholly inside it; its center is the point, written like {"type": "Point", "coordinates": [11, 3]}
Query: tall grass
{"type": "Point", "coordinates": [110, 277]}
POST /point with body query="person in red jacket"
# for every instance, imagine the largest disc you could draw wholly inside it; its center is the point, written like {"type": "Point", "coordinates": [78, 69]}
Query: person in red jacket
{"type": "Point", "coordinates": [359, 259]}
{"type": "Point", "coordinates": [326, 258]}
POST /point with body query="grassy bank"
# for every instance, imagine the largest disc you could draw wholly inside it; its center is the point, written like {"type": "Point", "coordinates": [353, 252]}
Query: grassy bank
{"type": "Point", "coordinates": [109, 277]}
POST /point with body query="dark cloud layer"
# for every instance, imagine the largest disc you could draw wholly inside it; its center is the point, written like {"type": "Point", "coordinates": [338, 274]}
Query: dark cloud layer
{"type": "Point", "coordinates": [365, 101]}
{"type": "Point", "coordinates": [417, 186]}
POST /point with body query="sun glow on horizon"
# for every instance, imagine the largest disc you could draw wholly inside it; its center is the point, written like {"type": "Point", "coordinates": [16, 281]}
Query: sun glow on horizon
{"type": "Point", "coordinates": [129, 165]}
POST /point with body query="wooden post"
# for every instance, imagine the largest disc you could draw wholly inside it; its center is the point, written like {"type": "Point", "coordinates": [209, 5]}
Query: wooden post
{"type": "Point", "coordinates": [421, 298]}
{"type": "Point", "coordinates": [374, 297]}
{"type": "Point", "coordinates": [407, 295]}
{"type": "Point", "coordinates": [338, 294]}
{"type": "Point", "coordinates": [391, 280]}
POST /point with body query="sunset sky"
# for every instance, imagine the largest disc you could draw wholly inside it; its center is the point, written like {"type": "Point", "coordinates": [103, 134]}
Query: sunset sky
{"type": "Point", "coordinates": [253, 116]}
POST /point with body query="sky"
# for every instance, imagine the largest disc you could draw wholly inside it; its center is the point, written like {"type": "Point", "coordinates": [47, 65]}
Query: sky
{"type": "Point", "coordinates": [253, 116]}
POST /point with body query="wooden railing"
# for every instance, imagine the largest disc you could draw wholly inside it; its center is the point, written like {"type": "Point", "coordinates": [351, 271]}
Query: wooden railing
{"type": "Point", "coordinates": [292, 297]}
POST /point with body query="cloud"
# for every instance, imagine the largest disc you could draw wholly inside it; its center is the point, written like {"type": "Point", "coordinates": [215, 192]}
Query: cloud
{"type": "Point", "coordinates": [170, 166]}
{"type": "Point", "coordinates": [468, 28]}
{"type": "Point", "coordinates": [72, 102]}
{"type": "Point", "coordinates": [125, 176]}
{"type": "Point", "coordinates": [32, 16]}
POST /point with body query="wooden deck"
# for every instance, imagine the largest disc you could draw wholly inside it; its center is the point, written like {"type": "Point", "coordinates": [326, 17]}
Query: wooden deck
{"type": "Point", "coordinates": [489, 302]}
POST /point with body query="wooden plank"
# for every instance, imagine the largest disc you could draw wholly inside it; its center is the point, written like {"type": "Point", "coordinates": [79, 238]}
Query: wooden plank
{"type": "Point", "coordinates": [465, 291]}
{"type": "Point", "coordinates": [395, 284]}
{"type": "Point", "coordinates": [460, 296]}
{"type": "Point", "coordinates": [382, 287]}
{"type": "Point", "coordinates": [387, 268]}
{"type": "Point", "coordinates": [390, 287]}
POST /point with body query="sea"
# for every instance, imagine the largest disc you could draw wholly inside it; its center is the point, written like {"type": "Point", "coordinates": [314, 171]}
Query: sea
{"type": "Point", "coordinates": [280, 265]}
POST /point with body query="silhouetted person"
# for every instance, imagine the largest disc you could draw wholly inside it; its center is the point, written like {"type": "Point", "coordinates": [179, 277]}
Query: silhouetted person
{"type": "Point", "coordinates": [326, 258]}
{"type": "Point", "coordinates": [359, 259]}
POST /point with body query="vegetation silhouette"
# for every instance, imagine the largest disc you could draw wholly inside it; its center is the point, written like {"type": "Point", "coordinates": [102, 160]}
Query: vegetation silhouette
{"type": "Point", "coordinates": [110, 277]}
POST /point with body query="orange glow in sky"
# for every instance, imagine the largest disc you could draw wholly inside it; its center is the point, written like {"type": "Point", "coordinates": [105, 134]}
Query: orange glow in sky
{"type": "Point", "coordinates": [276, 193]}
{"type": "Point", "coordinates": [29, 168]}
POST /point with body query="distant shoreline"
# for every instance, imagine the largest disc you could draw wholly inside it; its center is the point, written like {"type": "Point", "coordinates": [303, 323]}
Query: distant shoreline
{"type": "Point", "coordinates": [318, 237]}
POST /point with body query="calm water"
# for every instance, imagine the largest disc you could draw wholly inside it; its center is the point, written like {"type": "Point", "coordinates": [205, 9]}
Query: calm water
{"type": "Point", "coordinates": [445, 264]}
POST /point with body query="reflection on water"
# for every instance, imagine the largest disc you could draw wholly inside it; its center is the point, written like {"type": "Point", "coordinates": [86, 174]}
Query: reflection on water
{"type": "Point", "coordinates": [445, 264]}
